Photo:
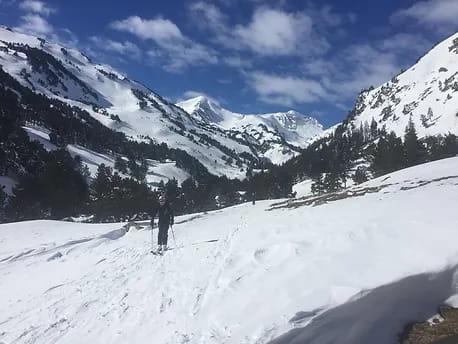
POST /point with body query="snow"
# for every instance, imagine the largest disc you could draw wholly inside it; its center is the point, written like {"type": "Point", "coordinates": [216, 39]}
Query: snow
{"type": "Point", "coordinates": [8, 183]}
{"type": "Point", "coordinates": [271, 128]}
{"type": "Point", "coordinates": [368, 263]}
{"type": "Point", "coordinates": [90, 158]}
{"type": "Point", "coordinates": [303, 188]}
{"type": "Point", "coordinates": [157, 171]}
{"type": "Point", "coordinates": [164, 171]}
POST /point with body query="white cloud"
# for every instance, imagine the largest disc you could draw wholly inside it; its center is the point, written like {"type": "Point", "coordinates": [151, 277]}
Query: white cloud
{"type": "Point", "coordinates": [35, 24]}
{"type": "Point", "coordinates": [405, 43]}
{"type": "Point", "coordinates": [270, 31]}
{"type": "Point", "coordinates": [193, 94]}
{"type": "Point", "coordinates": [360, 66]}
{"type": "Point", "coordinates": [172, 49]}
{"type": "Point", "coordinates": [175, 56]}
{"type": "Point", "coordinates": [207, 15]}
{"type": "Point", "coordinates": [157, 29]}
{"type": "Point", "coordinates": [37, 7]}
{"type": "Point", "coordinates": [340, 78]}
{"type": "Point", "coordinates": [285, 90]}
{"type": "Point", "coordinates": [237, 61]}
{"type": "Point", "coordinates": [441, 14]}
{"type": "Point", "coordinates": [124, 48]}
{"type": "Point", "coordinates": [274, 32]}
{"type": "Point", "coordinates": [355, 68]}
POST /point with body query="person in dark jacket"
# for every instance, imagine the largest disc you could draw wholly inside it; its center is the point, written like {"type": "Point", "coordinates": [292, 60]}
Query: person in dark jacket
{"type": "Point", "coordinates": [164, 214]}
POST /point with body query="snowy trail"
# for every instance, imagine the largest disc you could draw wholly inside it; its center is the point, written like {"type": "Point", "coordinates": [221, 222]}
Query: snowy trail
{"type": "Point", "coordinates": [73, 283]}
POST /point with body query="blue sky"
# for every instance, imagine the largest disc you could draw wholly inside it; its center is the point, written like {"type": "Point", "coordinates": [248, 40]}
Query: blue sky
{"type": "Point", "coordinates": [252, 56]}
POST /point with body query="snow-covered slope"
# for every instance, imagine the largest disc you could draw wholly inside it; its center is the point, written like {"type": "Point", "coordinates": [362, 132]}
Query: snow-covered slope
{"type": "Point", "coordinates": [271, 130]}
{"type": "Point", "coordinates": [157, 171]}
{"type": "Point", "coordinates": [245, 274]}
{"type": "Point", "coordinates": [427, 92]}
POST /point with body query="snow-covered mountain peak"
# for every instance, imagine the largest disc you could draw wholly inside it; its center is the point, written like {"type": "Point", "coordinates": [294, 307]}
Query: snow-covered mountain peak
{"type": "Point", "coordinates": [203, 109]}
{"type": "Point", "coordinates": [290, 126]}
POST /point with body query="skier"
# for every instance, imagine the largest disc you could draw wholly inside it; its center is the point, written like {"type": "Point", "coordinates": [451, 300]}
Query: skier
{"type": "Point", "coordinates": [165, 219]}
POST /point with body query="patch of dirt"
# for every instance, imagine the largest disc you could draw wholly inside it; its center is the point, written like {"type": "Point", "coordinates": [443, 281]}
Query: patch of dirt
{"type": "Point", "coordinates": [441, 330]}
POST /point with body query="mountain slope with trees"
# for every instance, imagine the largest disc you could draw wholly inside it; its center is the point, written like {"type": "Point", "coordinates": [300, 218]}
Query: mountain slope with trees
{"type": "Point", "coordinates": [124, 105]}
{"type": "Point", "coordinates": [407, 121]}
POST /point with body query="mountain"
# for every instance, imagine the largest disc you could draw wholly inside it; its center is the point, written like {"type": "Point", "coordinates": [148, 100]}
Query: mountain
{"type": "Point", "coordinates": [310, 272]}
{"type": "Point", "coordinates": [278, 135]}
{"type": "Point", "coordinates": [427, 93]}
{"type": "Point", "coordinates": [411, 119]}
{"type": "Point", "coordinates": [129, 107]}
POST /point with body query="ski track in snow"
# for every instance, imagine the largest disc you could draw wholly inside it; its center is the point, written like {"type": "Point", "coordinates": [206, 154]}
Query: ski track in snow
{"type": "Point", "coordinates": [238, 275]}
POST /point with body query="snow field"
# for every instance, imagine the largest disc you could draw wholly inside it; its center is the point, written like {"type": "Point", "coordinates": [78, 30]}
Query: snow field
{"type": "Point", "coordinates": [348, 259]}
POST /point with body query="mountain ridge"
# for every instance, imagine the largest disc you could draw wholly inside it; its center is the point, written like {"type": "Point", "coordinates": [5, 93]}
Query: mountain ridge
{"type": "Point", "coordinates": [296, 129]}
{"type": "Point", "coordinates": [425, 93]}
{"type": "Point", "coordinates": [130, 107]}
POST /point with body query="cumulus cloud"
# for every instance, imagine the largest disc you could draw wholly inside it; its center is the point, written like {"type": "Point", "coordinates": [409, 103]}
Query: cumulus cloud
{"type": "Point", "coordinates": [272, 31]}
{"type": "Point", "coordinates": [158, 29]}
{"type": "Point", "coordinates": [362, 65]}
{"type": "Point", "coordinates": [126, 48]}
{"type": "Point", "coordinates": [174, 50]}
{"type": "Point", "coordinates": [440, 14]}
{"type": "Point", "coordinates": [207, 15]}
{"type": "Point", "coordinates": [37, 7]}
{"type": "Point", "coordinates": [35, 24]}
{"type": "Point", "coordinates": [285, 90]}
{"type": "Point", "coordinates": [176, 57]}
{"type": "Point", "coordinates": [339, 78]}
{"type": "Point", "coordinates": [305, 37]}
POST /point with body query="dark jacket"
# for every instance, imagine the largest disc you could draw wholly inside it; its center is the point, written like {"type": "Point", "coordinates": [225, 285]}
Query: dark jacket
{"type": "Point", "coordinates": [164, 213]}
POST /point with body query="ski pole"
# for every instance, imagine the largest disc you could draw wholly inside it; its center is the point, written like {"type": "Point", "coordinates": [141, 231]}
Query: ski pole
{"type": "Point", "coordinates": [173, 234]}
{"type": "Point", "coordinates": [152, 236]}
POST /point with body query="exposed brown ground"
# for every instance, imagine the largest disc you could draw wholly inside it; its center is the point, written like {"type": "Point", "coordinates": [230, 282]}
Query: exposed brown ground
{"type": "Point", "coordinates": [437, 332]}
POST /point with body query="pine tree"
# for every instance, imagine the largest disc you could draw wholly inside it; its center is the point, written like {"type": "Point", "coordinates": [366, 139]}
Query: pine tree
{"type": "Point", "coordinates": [102, 186]}
{"type": "Point", "coordinates": [373, 129]}
{"type": "Point", "coordinates": [450, 145]}
{"type": "Point", "coordinates": [318, 186]}
{"type": "Point", "coordinates": [120, 164]}
{"type": "Point", "coordinates": [361, 175]}
{"type": "Point", "coordinates": [3, 199]}
{"type": "Point", "coordinates": [413, 149]}
{"type": "Point", "coordinates": [388, 155]}
{"type": "Point", "coordinates": [332, 181]}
